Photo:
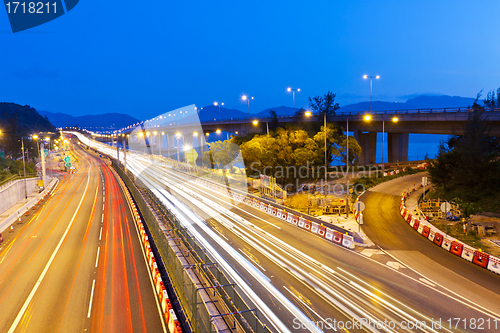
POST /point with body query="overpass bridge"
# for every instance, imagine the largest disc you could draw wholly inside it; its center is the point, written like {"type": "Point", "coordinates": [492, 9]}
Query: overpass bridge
{"type": "Point", "coordinates": [448, 121]}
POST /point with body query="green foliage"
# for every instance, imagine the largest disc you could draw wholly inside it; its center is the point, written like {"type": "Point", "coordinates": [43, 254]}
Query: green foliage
{"type": "Point", "coordinates": [324, 104]}
{"type": "Point", "coordinates": [468, 165]}
{"type": "Point", "coordinates": [292, 147]}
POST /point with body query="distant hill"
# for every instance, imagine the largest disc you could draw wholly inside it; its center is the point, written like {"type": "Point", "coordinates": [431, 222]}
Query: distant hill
{"type": "Point", "coordinates": [16, 122]}
{"type": "Point", "coordinates": [107, 121]}
{"type": "Point", "coordinates": [22, 120]}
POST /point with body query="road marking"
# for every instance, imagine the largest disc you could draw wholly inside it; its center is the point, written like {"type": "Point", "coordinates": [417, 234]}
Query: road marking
{"type": "Point", "coordinates": [251, 259]}
{"type": "Point", "coordinates": [427, 282]}
{"type": "Point", "coordinates": [395, 264]}
{"type": "Point", "coordinates": [307, 306]}
{"type": "Point", "coordinates": [100, 233]}
{"type": "Point", "coordinates": [91, 297]}
{"type": "Point", "coordinates": [370, 252]}
{"type": "Point", "coordinates": [40, 279]}
{"type": "Point", "coordinates": [97, 257]}
{"type": "Point", "coordinates": [102, 218]}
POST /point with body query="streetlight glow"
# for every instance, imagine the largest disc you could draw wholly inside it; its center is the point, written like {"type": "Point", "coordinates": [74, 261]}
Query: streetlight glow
{"type": "Point", "coordinates": [195, 133]}
{"type": "Point", "coordinates": [395, 119]}
{"type": "Point", "coordinates": [308, 114]}
{"type": "Point", "coordinates": [367, 117]}
{"type": "Point", "coordinates": [255, 122]}
{"type": "Point", "coordinates": [218, 131]}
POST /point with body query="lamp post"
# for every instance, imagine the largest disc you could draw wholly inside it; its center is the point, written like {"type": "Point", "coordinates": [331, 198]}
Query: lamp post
{"type": "Point", "coordinates": [247, 98]}
{"type": "Point", "coordinates": [256, 122]}
{"type": "Point", "coordinates": [308, 114]}
{"type": "Point", "coordinates": [293, 96]}
{"type": "Point", "coordinates": [178, 135]}
{"type": "Point", "coordinates": [371, 87]}
{"type": "Point", "coordinates": [394, 120]}
{"type": "Point", "coordinates": [24, 170]}
{"type": "Point", "coordinates": [218, 104]}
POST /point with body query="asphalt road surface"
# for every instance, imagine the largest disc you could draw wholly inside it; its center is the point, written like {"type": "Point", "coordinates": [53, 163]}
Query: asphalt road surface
{"type": "Point", "coordinates": [59, 272]}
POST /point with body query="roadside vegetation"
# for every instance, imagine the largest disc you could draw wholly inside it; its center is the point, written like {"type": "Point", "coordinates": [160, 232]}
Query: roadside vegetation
{"type": "Point", "coordinates": [468, 166]}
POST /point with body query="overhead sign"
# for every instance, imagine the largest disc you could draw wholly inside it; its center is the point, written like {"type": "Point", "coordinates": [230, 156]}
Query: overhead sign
{"type": "Point", "coordinates": [67, 158]}
{"type": "Point", "coordinates": [68, 165]}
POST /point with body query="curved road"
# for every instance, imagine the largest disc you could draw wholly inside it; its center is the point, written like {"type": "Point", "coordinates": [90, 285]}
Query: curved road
{"type": "Point", "coordinates": [60, 273]}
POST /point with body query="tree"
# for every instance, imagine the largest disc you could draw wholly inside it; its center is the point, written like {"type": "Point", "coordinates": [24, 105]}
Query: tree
{"type": "Point", "coordinates": [324, 104]}
{"type": "Point", "coordinates": [274, 122]}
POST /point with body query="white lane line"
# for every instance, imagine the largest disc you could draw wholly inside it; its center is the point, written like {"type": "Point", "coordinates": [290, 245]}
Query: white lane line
{"type": "Point", "coordinates": [427, 282]}
{"type": "Point", "coordinates": [251, 259]}
{"type": "Point", "coordinates": [307, 306]}
{"type": "Point", "coordinates": [100, 233]}
{"type": "Point", "coordinates": [40, 279]}
{"type": "Point", "coordinates": [91, 297]}
{"type": "Point", "coordinates": [97, 257]}
{"type": "Point", "coordinates": [102, 218]}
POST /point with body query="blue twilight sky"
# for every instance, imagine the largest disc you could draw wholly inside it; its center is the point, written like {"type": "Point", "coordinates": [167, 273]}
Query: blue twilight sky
{"type": "Point", "coordinates": [148, 57]}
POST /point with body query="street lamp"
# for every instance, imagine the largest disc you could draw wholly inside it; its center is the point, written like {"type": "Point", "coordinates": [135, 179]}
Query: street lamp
{"type": "Point", "coordinates": [256, 122]}
{"type": "Point", "coordinates": [371, 87]}
{"type": "Point", "coordinates": [218, 104]}
{"type": "Point", "coordinates": [247, 98]}
{"type": "Point", "coordinates": [394, 120]}
{"type": "Point", "coordinates": [308, 114]}
{"type": "Point", "coordinates": [293, 94]}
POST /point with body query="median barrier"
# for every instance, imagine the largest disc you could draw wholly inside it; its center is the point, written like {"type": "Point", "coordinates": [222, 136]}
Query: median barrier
{"type": "Point", "coordinates": [295, 219]}
{"type": "Point", "coordinates": [447, 243]}
{"type": "Point", "coordinates": [438, 240]}
{"type": "Point", "coordinates": [411, 222]}
{"type": "Point", "coordinates": [456, 248]}
{"type": "Point", "coordinates": [494, 265]}
{"type": "Point", "coordinates": [468, 253]}
{"type": "Point", "coordinates": [289, 217]}
{"type": "Point", "coordinates": [420, 228]}
{"type": "Point", "coordinates": [480, 258]}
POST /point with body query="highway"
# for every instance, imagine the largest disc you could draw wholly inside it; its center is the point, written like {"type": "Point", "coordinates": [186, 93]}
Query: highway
{"type": "Point", "coordinates": [76, 263]}
{"type": "Point", "coordinates": [294, 277]}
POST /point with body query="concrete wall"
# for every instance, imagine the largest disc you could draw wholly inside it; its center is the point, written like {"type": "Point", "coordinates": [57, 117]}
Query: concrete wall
{"type": "Point", "coordinates": [15, 192]}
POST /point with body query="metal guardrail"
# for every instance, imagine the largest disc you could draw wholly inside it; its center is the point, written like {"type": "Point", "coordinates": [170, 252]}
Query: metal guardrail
{"type": "Point", "coordinates": [238, 316]}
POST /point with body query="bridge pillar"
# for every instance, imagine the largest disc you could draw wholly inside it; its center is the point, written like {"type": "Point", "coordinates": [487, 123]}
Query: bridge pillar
{"type": "Point", "coordinates": [397, 147]}
{"type": "Point", "coordinates": [368, 144]}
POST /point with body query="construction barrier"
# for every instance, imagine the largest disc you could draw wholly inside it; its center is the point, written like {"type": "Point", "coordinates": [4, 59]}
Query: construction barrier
{"type": "Point", "coordinates": [432, 235]}
{"type": "Point", "coordinates": [337, 237]}
{"type": "Point", "coordinates": [420, 228]}
{"type": "Point", "coordinates": [468, 253]}
{"type": "Point", "coordinates": [456, 248]}
{"type": "Point", "coordinates": [480, 258]}
{"type": "Point", "coordinates": [447, 243]}
{"type": "Point", "coordinates": [494, 265]}
{"type": "Point", "coordinates": [438, 240]}
{"type": "Point", "coordinates": [348, 241]}
{"type": "Point", "coordinates": [314, 227]}
{"type": "Point", "coordinates": [322, 230]}
{"type": "Point", "coordinates": [426, 231]}
{"type": "Point", "coordinates": [307, 225]}
{"type": "Point", "coordinates": [329, 234]}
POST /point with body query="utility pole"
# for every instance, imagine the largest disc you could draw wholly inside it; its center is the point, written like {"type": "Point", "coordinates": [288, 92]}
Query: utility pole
{"type": "Point", "coordinates": [24, 170]}
{"type": "Point", "coordinates": [44, 178]}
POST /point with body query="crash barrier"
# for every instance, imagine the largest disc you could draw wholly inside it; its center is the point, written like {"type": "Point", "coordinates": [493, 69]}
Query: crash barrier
{"type": "Point", "coordinates": [446, 242]}
{"type": "Point", "coordinates": [161, 292]}
{"type": "Point", "coordinates": [343, 239]}
{"type": "Point", "coordinates": [25, 210]}
{"type": "Point", "coordinates": [183, 291]}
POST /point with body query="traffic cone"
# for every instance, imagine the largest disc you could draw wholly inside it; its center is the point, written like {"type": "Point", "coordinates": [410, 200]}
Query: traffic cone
{"type": "Point", "coordinates": [19, 221]}
{"type": "Point", "coordinates": [11, 227]}
{"type": "Point", "coordinates": [33, 207]}
{"type": "Point", "coordinates": [27, 212]}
